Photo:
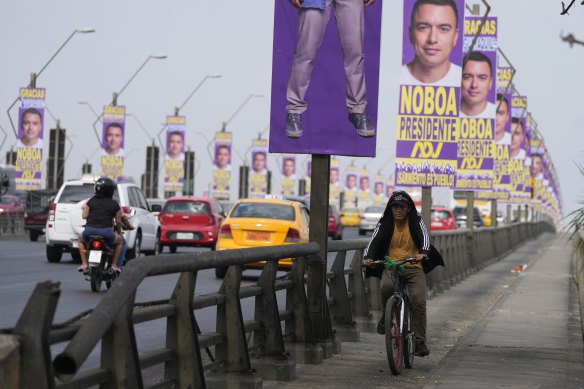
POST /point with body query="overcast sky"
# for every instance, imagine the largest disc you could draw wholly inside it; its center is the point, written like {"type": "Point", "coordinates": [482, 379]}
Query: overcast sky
{"type": "Point", "coordinates": [234, 38]}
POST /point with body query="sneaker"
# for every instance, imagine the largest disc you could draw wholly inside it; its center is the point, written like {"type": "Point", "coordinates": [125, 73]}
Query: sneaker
{"type": "Point", "coordinates": [421, 350]}
{"type": "Point", "coordinates": [362, 124]}
{"type": "Point", "coordinates": [293, 128]}
{"type": "Point", "coordinates": [381, 326]}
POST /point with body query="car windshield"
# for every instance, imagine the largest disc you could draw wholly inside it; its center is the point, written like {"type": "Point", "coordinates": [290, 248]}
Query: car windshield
{"type": "Point", "coordinates": [190, 207]}
{"type": "Point", "coordinates": [374, 210]}
{"type": "Point", "coordinates": [76, 193]}
{"type": "Point", "coordinates": [6, 200]}
{"type": "Point", "coordinates": [440, 214]}
{"type": "Point", "coordinates": [264, 210]}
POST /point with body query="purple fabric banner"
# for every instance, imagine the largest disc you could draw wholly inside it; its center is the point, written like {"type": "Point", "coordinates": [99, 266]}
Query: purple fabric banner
{"type": "Point", "coordinates": [428, 115]}
{"type": "Point", "coordinates": [29, 148]}
{"type": "Point", "coordinates": [175, 153]}
{"type": "Point", "coordinates": [476, 152]}
{"type": "Point", "coordinates": [325, 97]}
{"type": "Point", "coordinates": [112, 142]}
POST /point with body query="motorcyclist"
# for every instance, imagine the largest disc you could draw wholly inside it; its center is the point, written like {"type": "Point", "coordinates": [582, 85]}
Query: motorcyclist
{"type": "Point", "coordinates": [101, 211]}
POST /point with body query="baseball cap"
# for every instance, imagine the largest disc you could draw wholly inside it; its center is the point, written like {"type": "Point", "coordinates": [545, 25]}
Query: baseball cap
{"type": "Point", "coordinates": [399, 199]}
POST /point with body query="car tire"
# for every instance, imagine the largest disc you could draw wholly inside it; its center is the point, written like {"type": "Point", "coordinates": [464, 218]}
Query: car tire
{"type": "Point", "coordinates": [339, 235]}
{"type": "Point", "coordinates": [34, 235]}
{"type": "Point", "coordinates": [76, 255]}
{"type": "Point", "coordinates": [157, 247]}
{"type": "Point", "coordinates": [135, 251]}
{"type": "Point", "coordinates": [220, 272]}
{"type": "Point", "coordinates": [172, 248]}
{"type": "Point", "coordinates": [54, 254]}
{"type": "Point", "coordinates": [362, 232]}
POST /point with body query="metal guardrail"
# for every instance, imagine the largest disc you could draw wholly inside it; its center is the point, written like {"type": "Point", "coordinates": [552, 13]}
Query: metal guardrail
{"type": "Point", "coordinates": [11, 222]}
{"type": "Point", "coordinates": [274, 351]}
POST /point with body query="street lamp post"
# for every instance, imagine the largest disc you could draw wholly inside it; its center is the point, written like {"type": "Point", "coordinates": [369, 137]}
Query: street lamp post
{"type": "Point", "coordinates": [189, 173]}
{"type": "Point", "coordinates": [34, 76]}
{"type": "Point", "coordinates": [240, 108]}
{"type": "Point", "coordinates": [117, 94]}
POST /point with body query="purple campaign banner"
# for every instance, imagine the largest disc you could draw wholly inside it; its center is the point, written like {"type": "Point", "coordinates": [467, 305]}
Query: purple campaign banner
{"type": "Point", "coordinates": [326, 128]}
{"type": "Point", "coordinates": [428, 115]}
{"type": "Point", "coordinates": [29, 148]}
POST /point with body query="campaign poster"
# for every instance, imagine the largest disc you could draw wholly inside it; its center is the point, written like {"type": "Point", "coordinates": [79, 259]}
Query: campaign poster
{"type": "Point", "coordinates": [288, 179]}
{"type": "Point", "coordinates": [476, 151]}
{"type": "Point", "coordinates": [428, 123]}
{"type": "Point", "coordinates": [222, 165]}
{"type": "Point", "coordinates": [350, 192]}
{"type": "Point", "coordinates": [324, 98]}
{"type": "Point", "coordinates": [258, 176]}
{"type": "Point", "coordinates": [174, 172]}
{"type": "Point", "coordinates": [389, 187]}
{"type": "Point", "coordinates": [308, 176]}
{"type": "Point", "coordinates": [517, 152]}
{"type": "Point", "coordinates": [29, 148]}
{"type": "Point", "coordinates": [334, 182]}
{"type": "Point", "coordinates": [536, 168]}
{"type": "Point", "coordinates": [112, 142]}
{"type": "Point", "coordinates": [378, 196]}
{"type": "Point", "coordinates": [527, 162]}
{"type": "Point", "coordinates": [364, 192]}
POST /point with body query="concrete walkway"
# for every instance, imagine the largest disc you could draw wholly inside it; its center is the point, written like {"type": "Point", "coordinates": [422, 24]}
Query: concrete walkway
{"type": "Point", "coordinates": [494, 329]}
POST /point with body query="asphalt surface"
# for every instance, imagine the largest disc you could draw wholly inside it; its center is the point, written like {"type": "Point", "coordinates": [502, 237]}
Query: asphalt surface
{"type": "Point", "coordinates": [494, 329]}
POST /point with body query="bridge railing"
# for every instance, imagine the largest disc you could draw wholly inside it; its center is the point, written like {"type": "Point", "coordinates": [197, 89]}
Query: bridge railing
{"type": "Point", "coordinates": [275, 348]}
{"type": "Point", "coordinates": [11, 222]}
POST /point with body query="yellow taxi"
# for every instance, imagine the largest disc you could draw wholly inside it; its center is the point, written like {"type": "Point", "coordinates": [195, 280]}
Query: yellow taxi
{"type": "Point", "coordinates": [350, 217]}
{"type": "Point", "coordinates": [263, 222]}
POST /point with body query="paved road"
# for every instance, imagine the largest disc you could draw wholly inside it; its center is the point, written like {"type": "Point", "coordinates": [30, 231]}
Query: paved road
{"type": "Point", "coordinates": [494, 329]}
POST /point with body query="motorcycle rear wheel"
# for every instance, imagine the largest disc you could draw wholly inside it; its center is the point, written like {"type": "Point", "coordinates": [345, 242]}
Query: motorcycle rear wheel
{"type": "Point", "coordinates": [95, 280]}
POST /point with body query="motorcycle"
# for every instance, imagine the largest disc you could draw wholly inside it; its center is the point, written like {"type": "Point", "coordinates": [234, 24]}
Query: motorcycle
{"type": "Point", "coordinates": [99, 258]}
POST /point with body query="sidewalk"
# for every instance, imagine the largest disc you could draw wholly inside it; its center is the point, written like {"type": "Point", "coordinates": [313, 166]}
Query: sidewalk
{"type": "Point", "coordinates": [494, 329]}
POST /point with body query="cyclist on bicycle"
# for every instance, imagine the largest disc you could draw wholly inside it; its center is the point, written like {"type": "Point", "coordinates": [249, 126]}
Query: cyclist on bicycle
{"type": "Point", "coordinates": [100, 211]}
{"type": "Point", "coordinates": [401, 233]}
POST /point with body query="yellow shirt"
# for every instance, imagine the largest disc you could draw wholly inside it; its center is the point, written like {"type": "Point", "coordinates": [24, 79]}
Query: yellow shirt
{"type": "Point", "coordinates": [402, 246]}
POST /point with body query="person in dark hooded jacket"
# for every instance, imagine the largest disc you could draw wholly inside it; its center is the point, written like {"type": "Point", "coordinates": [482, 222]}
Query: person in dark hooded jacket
{"type": "Point", "coordinates": [401, 233]}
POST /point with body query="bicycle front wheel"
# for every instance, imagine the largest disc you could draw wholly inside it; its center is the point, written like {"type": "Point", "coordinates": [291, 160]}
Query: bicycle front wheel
{"type": "Point", "coordinates": [394, 344]}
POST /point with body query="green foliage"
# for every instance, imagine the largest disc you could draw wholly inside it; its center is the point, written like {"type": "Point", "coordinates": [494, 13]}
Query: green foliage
{"type": "Point", "coordinates": [576, 224]}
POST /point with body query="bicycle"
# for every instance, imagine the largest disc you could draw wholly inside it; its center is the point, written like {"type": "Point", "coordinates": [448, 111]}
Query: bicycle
{"type": "Point", "coordinates": [399, 334]}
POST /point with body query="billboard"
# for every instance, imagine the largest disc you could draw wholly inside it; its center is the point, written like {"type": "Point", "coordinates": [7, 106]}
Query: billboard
{"type": "Point", "coordinates": [315, 82]}
{"type": "Point", "coordinates": [288, 179]}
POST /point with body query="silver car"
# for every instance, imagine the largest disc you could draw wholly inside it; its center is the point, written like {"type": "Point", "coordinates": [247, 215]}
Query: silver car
{"type": "Point", "coordinates": [369, 218]}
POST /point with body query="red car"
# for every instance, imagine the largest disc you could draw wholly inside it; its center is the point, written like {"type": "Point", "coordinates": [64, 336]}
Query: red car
{"type": "Point", "coordinates": [334, 227]}
{"type": "Point", "coordinates": [190, 222]}
{"type": "Point", "coordinates": [10, 204]}
{"type": "Point", "coordinates": [442, 219]}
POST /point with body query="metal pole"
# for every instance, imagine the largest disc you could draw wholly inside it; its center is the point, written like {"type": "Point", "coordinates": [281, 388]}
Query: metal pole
{"type": "Point", "coordinates": [426, 205]}
{"type": "Point", "coordinates": [470, 210]}
{"type": "Point", "coordinates": [317, 265]}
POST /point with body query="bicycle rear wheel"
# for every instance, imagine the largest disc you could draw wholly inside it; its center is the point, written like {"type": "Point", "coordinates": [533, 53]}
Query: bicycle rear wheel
{"type": "Point", "coordinates": [394, 344]}
{"type": "Point", "coordinates": [408, 336]}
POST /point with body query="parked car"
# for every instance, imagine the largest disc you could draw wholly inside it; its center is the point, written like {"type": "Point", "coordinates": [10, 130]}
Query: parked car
{"type": "Point", "coordinates": [460, 217]}
{"type": "Point", "coordinates": [263, 222]}
{"type": "Point", "coordinates": [156, 205]}
{"type": "Point", "coordinates": [65, 223]}
{"type": "Point", "coordinates": [11, 203]}
{"type": "Point", "coordinates": [190, 222]}
{"type": "Point", "coordinates": [334, 225]}
{"type": "Point", "coordinates": [350, 217]}
{"type": "Point", "coordinates": [369, 218]}
{"type": "Point", "coordinates": [442, 219]}
{"type": "Point", "coordinates": [36, 211]}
